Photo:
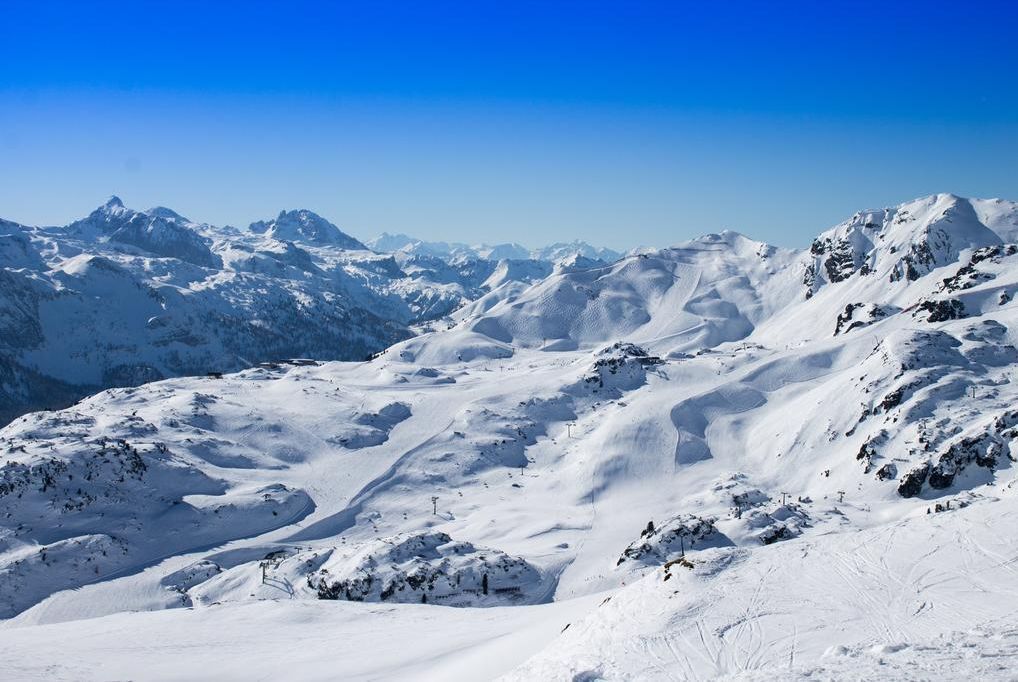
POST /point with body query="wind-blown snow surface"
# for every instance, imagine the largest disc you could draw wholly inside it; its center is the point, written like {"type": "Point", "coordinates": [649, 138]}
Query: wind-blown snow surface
{"type": "Point", "coordinates": [717, 460]}
{"type": "Point", "coordinates": [123, 297]}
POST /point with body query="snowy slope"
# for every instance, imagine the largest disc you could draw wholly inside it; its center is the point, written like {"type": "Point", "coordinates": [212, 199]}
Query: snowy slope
{"type": "Point", "coordinates": [695, 295]}
{"type": "Point", "coordinates": [901, 601]}
{"type": "Point", "coordinates": [833, 458]}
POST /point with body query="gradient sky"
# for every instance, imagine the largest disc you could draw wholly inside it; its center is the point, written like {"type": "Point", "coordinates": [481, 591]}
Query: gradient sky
{"type": "Point", "coordinates": [621, 123]}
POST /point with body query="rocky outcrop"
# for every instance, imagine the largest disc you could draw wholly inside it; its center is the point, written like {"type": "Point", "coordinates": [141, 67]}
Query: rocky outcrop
{"type": "Point", "coordinates": [679, 534]}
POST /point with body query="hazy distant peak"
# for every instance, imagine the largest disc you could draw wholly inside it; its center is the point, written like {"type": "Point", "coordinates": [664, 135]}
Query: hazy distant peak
{"type": "Point", "coordinates": [305, 226]}
{"type": "Point", "coordinates": [167, 213]}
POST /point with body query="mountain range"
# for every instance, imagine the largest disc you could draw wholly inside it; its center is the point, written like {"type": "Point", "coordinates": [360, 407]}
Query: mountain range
{"type": "Point", "coordinates": [718, 460]}
{"type": "Point", "coordinates": [122, 297]}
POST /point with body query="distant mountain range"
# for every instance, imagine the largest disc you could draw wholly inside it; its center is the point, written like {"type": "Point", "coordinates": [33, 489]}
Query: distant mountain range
{"type": "Point", "coordinates": [123, 296]}
{"type": "Point", "coordinates": [401, 243]}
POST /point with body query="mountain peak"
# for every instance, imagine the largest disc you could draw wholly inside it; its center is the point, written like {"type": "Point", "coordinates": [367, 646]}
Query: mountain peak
{"type": "Point", "coordinates": [302, 225]}
{"type": "Point", "coordinates": [158, 231]}
{"type": "Point", "coordinates": [303, 216]}
{"type": "Point", "coordinates": [726, 235]}
{"type": "Point", "coordinates": [556, 252]}
{"type": "Point", "coordinates": [113, 207]}
{"type": "Point", "coordinates": [905, 242]}
{"type": "Point", "coordinates": [167, 213]}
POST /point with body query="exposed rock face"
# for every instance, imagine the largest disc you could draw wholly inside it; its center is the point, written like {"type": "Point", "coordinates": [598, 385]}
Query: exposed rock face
{"type": "Point", "coordinates": [429, 568]}
{"type": "Point", "coordinates": [783, 522]}
{"type": "Point", "coordinates": [986, 448]}
{"type": "Point", "coordinates": [620, 367]}
{"type": "Point", "coordinates": [858, 315]}
{"type": "Point", "coordinates": [840, 261]}
{"type": "Point", "coordinates": [681, 533]}
{"type": "Point", "coordinates": [940, 310]}
{"type": "Point", "coordinates": [418, 567]}
{"type": "Point", "coordinates": [912, 482]}
{"type": "Point", "coordinates": [868, 452]}
{"type": "Point", "coordinates": [887, 472]}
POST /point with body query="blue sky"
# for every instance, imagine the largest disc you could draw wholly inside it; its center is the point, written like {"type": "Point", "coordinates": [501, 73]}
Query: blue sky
{"type": "Point", "coordinates": [621, 123]}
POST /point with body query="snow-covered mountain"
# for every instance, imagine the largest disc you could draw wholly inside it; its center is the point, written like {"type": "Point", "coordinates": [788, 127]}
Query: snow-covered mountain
{"type": "Point", "coordinates": [123, 297]}
{"type": "Point", "coordinates": [402, 243]}
{"type": "Point", "coordinates": [303, 226]}
{"type": "Point", "coordinates": [159, 231]}
{"type": "Point", "coordinates": [717, 460]}
{"type": "Point", "coordinates": [691, 296]}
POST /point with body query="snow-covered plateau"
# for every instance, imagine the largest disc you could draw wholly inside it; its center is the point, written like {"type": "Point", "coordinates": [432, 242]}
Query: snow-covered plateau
{"type": "Point", "coordinates": [720, 460]}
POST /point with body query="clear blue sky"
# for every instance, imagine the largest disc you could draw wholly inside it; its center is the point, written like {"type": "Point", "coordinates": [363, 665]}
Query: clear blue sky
{"type": "Point", "coordinates": [621, 123]}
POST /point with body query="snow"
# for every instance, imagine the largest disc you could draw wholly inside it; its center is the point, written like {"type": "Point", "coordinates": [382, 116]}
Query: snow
{"type": "Point", "coordinates": [717, 460]}
{"type": "Point", "coordinates": [305, 226]}
{"type": "Point", "coordinates": [411, 246]}
{"type": "Point", "coordinates": [307, 640]}
{"type": "Point", "coordinates": [813, 605]}
{"type": "Point", "coordinates": [122, 297]}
